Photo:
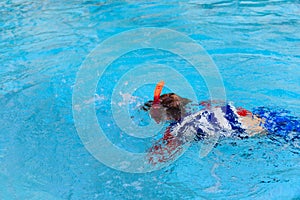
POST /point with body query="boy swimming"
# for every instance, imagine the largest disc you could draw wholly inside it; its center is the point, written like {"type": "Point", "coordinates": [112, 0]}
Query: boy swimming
{"type": "Point", "coordinates": [214, 119]}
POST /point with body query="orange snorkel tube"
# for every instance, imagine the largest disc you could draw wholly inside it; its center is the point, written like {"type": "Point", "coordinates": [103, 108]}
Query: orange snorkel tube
{"type": "Point", "coordinates": [156, 109]}
{"type": "Point", "coordinates": [157, 91]}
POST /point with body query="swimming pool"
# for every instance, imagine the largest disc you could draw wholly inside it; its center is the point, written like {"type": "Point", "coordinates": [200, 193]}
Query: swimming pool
{"type": "Point", "coordinates": [254, 44]}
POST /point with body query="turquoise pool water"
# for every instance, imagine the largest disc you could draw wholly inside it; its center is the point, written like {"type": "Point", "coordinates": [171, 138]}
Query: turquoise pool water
{"type": "Point", "coordinates": [254, 44]}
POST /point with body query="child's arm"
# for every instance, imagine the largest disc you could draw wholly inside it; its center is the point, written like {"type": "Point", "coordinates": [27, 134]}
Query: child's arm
{"type": "Point", "coordinates": [165, 149]}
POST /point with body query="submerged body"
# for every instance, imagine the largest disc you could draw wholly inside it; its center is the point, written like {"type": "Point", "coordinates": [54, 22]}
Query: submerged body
{"type": "Point", "coordinates": [223, 120]}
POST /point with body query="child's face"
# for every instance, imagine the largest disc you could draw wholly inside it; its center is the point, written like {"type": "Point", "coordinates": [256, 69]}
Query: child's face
{"type": "Point", "coordinates": [157, 112]}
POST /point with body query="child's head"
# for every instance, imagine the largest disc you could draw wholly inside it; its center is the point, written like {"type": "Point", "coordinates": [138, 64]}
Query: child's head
{"type": "Point", "coordinates": [167, 106]}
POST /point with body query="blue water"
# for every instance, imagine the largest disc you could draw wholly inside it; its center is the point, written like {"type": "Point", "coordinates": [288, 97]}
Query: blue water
{"type": "Point", "coordinates": [254, 44]}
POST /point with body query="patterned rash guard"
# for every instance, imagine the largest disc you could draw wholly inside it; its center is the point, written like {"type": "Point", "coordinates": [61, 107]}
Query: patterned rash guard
{"type": "Point", "coordinates": [222, 120]}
